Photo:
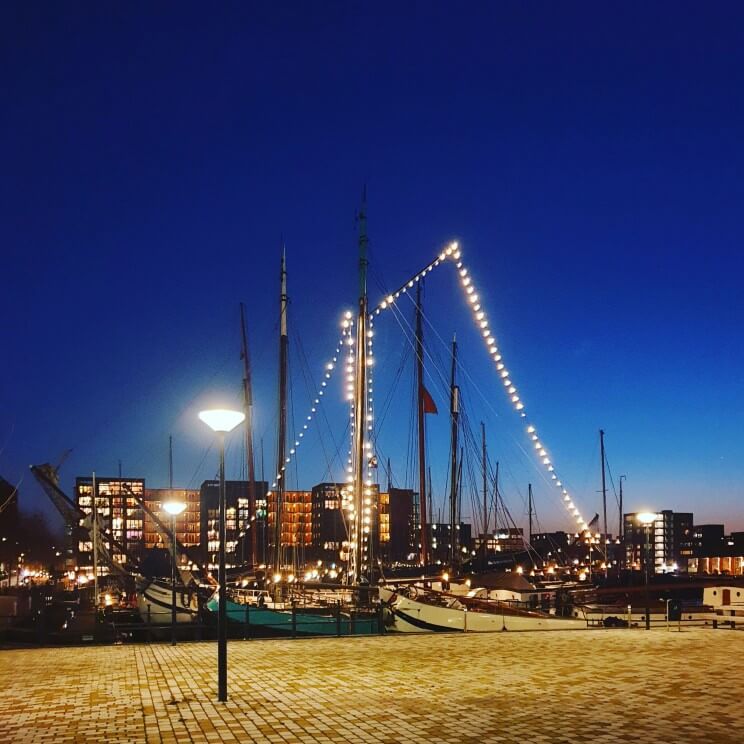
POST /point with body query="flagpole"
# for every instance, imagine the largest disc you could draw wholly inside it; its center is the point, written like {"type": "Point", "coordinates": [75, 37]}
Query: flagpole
{"type": "Point", "coordinates": [421, 429]}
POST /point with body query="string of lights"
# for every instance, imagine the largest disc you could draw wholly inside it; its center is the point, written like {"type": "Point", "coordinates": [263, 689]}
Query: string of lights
{"type": "Point", "coordinates": [480, 318]}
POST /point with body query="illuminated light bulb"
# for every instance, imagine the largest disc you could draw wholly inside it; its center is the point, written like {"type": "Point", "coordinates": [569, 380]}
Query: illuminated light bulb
{"type": "Point", "coordinates": [442, 256]}
{"type": "Point", "coordinates": [543, 453]}
{"type": "Point", "coordinates": [456, 255]}
{"type": "Point", "coordinates": [538, 446]}
{"type": "Point", "coordinates": [519, 407]}
{"type": "Point", "coordinates": [530, 429]}
{"type": "Point", "coordinates": [515, 399]}
{"type": "Point", "coordinates": [554, 476]}
{"type": "Point", "coordinates": [512, 389]}
{"type": "Point", "coordinates": [410, 284]}
{"type": "Point", "coordinates": [383, 304]}
{"type": "Point", "coordinates": [559, 484]}
{"type": "Point", "coordinates": [534, 437]}
{"type": "Point", "coordinates": [571, 505]}
{"type": "Point", "coordinates": [551, 468]}
{"type": "Point", "coordinates": [491, 341]}
{"type": "Point", "coordinates": [466, 281]}
{"type": "Point", "coordinates": [484, 324]}
{"type": "Point", "coordinates": [301, 435]}
{"type": "Point", "coordinates": [389, 298]}
{"type": "Point", "coordinates": [505, 373]}
{"type": "Point", "coordinates": [507, 382]}
{"type": "Point", "coordinates": [498, 357]}
{"type": "Point", "coordinates": [468, 289]}
{"type": "Point", "coordinates": [473, 297]}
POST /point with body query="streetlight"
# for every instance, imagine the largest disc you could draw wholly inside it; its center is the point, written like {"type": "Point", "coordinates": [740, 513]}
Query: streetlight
{"type": "Point", "coordinates": [646, 519]}
{"type": "Point", "coordinates": [174, 508]}
{"type": "Point", "coordinates": [223, 422]}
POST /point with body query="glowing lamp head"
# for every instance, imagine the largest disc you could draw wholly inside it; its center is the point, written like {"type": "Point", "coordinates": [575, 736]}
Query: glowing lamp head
{"type": "Point", "coordinates": [647, 518]}
{"type": "Point", "coordinates": [222, 420]}
{"type": "Point", "coordinates": [174, 508]}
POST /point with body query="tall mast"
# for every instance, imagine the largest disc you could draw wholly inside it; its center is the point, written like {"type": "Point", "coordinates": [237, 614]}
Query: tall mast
{"type": "Point", "coordinates": [421, 425]}
{"type": "Point", "coordinates": [248, 410]}
{"type": "Point", "coordinates": [496, 499]}
{"type": "Point", "coordinates": [485, 481]}
{"type": "Point", "coordinates": [95, 542]}
{"type": "Point", "coordinates": [620, 515]}
{"type": "Point", "coordinates": [455, 414]}
{"type": "Point", "coordinates": [281, 442]}
{"type": "Point", "coordinates": [359, 537]}
{"type": "Point", "coordinates": [604, 496]}
{"type": "Point", "coordinates": [529, 496]}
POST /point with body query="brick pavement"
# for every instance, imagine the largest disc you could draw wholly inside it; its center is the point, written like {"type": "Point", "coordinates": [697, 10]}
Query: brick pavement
{"type": "Point", "coordinates": [552, 688]}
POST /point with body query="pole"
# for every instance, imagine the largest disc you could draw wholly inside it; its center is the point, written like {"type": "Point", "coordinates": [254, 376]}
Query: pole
{"type": "Point", "coordinates": [222, 607]}
{"type": "Point", "coordinates": [95, 545]}
{"type": "Point", "coordinates": [359, 554]}
{"type": "Point", "coordinates": [248, 404]}
{"type": "Point", "coordinates": [421, 427]}
{"type": "Point", "coordinates": [173, 579]}
{"type": "Point", "coordinates": [496, 500]}
{"type": "Point", "coordinates": [604, 499]}
{"type": "Point", "coordinates": [647, 541]}
{"type": "Point", "coordinates": [529, 497]}
{"type": "Point", "coordinates": [485, 481]}
{"type": "Point", "coordinates": [281, 444]}
{"type": "Point", "coordinates": [455, 413]}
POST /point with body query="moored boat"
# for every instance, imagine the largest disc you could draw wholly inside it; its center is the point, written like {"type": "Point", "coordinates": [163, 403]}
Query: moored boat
{"type": "Point", "coordinates": [414, 610]}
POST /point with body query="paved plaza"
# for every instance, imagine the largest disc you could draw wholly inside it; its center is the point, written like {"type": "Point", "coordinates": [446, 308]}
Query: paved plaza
{"type": "Point", "coordinates": [561, 686]}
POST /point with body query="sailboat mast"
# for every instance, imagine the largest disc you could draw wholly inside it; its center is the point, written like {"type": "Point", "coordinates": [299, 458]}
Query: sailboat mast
{"type": "Point", "coordinates": [485, 480]}
{"type": "Point", "coordinates": [359, 542]}
{"type": "Point", "coordinates": [455, 414]}
{"type": "Point", "coordinates": [95, 542]}
{"type": "Point", "coordinates": [421, 425]}
{"type": "Point", "coordinates": [529, 496]}
{"type": "Point", "coordinates": [496, 499]}
{"type": "Point", "coordinates": [281, 441]}
{"type": "Point", "coordinates": [248, 410]}
{"type": "Point", "coordinates": [604, 496]}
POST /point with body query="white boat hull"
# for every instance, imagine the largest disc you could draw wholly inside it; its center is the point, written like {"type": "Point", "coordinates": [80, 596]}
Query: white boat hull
{"type": "Point", "coordinates": [154, 602]}
{"type": "Point", "coordinates": [411, 616]}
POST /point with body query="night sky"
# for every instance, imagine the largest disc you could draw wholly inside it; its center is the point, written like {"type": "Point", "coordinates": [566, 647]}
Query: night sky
{"type": "Point", "coordinates": [589, 159]}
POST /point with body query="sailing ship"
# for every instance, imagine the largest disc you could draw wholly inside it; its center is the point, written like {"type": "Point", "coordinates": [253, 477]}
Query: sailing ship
{"type": "Point", "coordinates": [416, 610]}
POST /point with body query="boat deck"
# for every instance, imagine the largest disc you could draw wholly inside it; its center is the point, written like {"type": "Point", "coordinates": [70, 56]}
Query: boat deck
{"type": "Point", "coordinates": [510, 687]}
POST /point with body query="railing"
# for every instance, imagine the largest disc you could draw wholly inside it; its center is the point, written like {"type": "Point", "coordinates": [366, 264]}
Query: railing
{"type": "Point", "coordinates": [95, 627]}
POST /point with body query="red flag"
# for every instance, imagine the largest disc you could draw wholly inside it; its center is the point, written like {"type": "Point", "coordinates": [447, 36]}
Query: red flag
{"type": "Point", "coordinates": [429, 405]}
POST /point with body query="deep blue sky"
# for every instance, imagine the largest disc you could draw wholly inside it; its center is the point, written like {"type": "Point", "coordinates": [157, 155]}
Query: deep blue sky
{"type": "Point", "coordinates": [588, 158]}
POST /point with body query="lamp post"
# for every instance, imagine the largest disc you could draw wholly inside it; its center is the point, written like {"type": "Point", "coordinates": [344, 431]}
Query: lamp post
{"type": "Point", "coordinates": [222, 421]}
{"type": "Point", "coordinates": [174, 508]}
{"type": "Point", "coordinates": [646, 519]}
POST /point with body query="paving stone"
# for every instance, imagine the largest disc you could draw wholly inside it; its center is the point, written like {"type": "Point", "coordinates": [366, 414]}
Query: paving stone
{"type": "Point", "coordinates": [544, 688]}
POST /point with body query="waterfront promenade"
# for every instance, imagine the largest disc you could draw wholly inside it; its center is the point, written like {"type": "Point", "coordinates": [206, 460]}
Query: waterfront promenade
{"type": "Point", "coordinates": [547, 687]}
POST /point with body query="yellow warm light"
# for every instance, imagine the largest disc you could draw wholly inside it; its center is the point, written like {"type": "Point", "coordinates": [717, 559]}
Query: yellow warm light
{"type": "Point", "coordinates": [174, 508]}
{"type": "Point", "coordinates": [647, 518]}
